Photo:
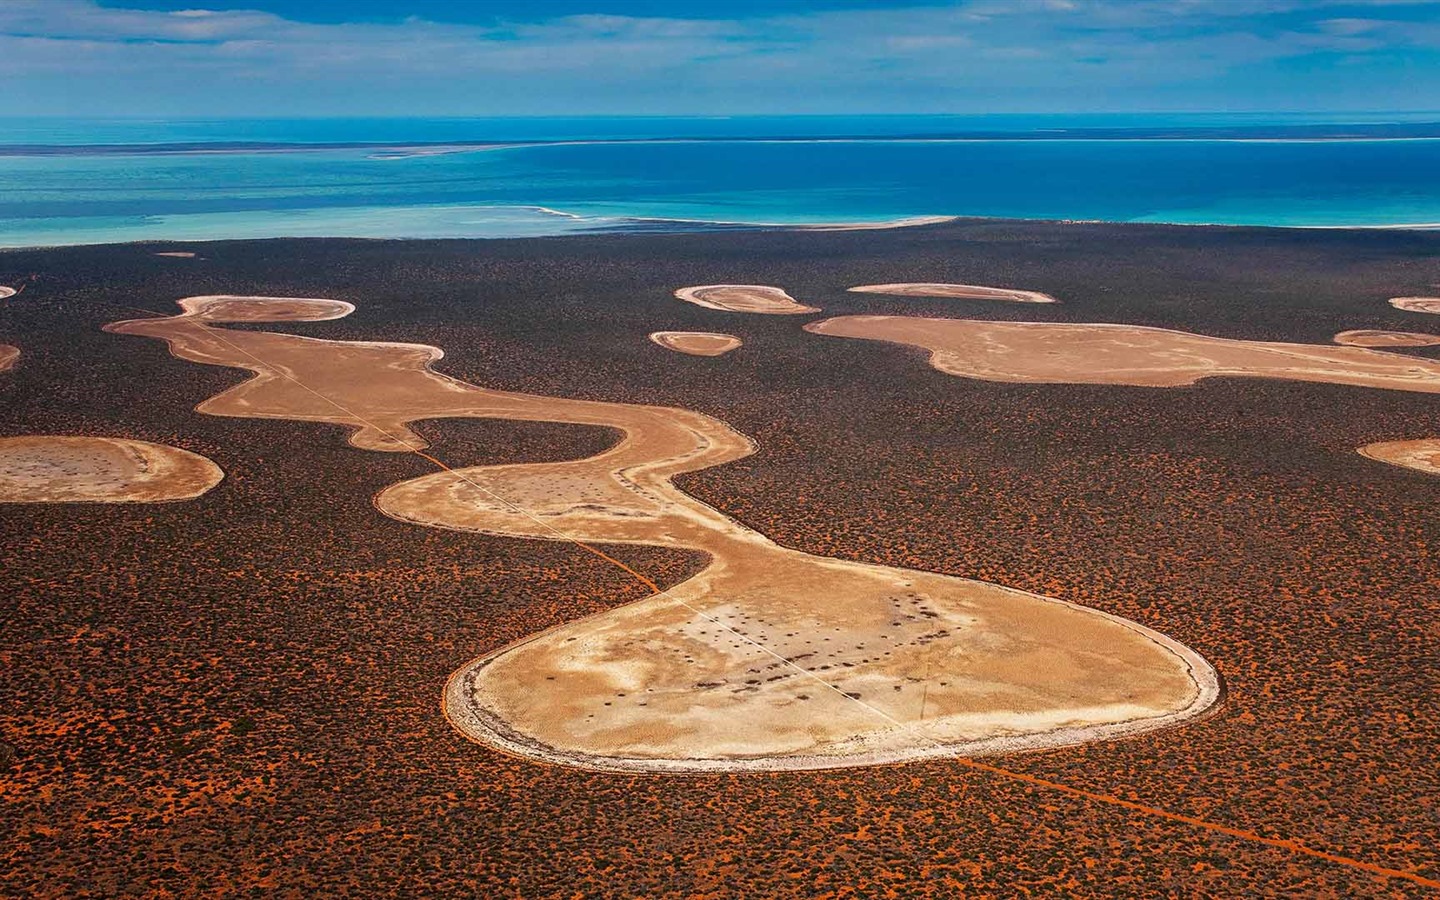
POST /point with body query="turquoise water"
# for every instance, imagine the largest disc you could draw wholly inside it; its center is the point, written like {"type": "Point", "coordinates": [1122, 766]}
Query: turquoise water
{"type": "Point", "coordinates": [628, 174]}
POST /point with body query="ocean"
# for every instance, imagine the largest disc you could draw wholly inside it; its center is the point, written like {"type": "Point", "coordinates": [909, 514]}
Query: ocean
{"type": "Point", "coordinates": [73, 182]}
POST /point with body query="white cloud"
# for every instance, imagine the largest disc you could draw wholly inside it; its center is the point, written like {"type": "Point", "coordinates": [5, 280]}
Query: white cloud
{"type": "Point", "coordinates": [75, 56]}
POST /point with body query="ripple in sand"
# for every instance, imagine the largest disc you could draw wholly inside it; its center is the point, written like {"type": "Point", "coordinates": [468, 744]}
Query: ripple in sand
{"type": "Point", "coordinates": [76, 469]}
{"type": "Point", "coordinates": [954, 292]}
{"type": "Point", "coordinates": [746, 298]}
{"type": "Point", "coordinates": [1417, 304]}
{"type": "Point", "coordinates": [696, 343]}
{"type": "Point", "coordinates": [1366, 337]}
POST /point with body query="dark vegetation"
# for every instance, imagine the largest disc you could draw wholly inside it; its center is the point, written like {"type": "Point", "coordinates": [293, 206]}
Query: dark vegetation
{"type": "Point", "coordinates": [239, 695]}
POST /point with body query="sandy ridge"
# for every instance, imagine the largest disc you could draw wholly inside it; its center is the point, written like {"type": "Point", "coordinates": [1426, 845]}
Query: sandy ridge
{"type": "Point", "coordinates": [770, 658]}
{"type": "Point", "coordinates": [1066, 353]}
{"type": "Point", "coordinates": [696, 343]}
{"type": "Point", "coordinates": [76, 469]}
{"type": "Point", "coordinates": [1369, 337]}
{"type": "Point", "coordinates": [1421, 455]}
{"type": "Point", "coordinates": [954, 291]}
{"type": "Point", "coordinates": [1417, 304]}
{"type": "Point", "coordinates": [746, 298]}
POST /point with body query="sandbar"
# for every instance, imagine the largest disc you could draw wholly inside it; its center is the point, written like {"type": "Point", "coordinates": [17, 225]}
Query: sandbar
{"type": "Point", "coordinates": [78, 469]}
{"type": "Point", "coordinates": [9, 355]}
{"type": "Point", "coordinates": [1367, 337]}
{"type": "Point", "coordinates": [1064, 353]}
{"type": "Point", "coordinates": [955, 291]}
{"type": "Point", "coordinates": [177, 254]}
{"type": "Point", "coordinates": [769, 658]}
{"type": "Point", "coordinates": [6, 292]}
{"type": "Point", "coordinates": [746, 298]}
{"type": "Point", "coordinates": [1421, 455]}
{"type": "Point", "coordinates": [1417, 304]}
{"type": "Point", "coordinates": [696, 343]}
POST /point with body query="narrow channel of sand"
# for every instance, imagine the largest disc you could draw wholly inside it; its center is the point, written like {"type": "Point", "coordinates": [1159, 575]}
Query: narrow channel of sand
{"type": "Point", "coordinates": [80, 469]}
{"type": "Point", "coordinates": [745, 298]}
{"type": "Point", "coordinates": [696, 343]}
{"type": "Point", "coordinates": [954, 292]}
{"type": "Point", "coordinates": [1064, 353]}
{"type": "Point", "coordinates": [770, 658]}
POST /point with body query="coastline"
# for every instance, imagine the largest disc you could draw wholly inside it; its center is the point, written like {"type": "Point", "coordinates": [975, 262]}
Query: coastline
{"type": "Point", "coordinates": [595, 225]}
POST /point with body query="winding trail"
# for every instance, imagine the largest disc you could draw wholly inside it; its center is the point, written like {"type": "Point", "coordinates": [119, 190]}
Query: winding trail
{"type": "Point", "coordinates": [770, 658]}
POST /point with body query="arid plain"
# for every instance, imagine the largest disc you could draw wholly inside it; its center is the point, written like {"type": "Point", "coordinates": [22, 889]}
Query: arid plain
{"type": "Point", "coordinates": [242, 691]}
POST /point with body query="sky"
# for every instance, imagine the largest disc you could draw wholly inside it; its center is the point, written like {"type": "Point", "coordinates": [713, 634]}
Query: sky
{"type": "Point", "coordinates": [271, 58]}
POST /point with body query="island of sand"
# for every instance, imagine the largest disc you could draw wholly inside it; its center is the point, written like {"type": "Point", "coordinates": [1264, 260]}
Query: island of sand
{"type": "Point", "coordinates": [954, 292]}
{"type": "Point", "coordinates": [1417, 304]}
{"type": "Point", "coordinates": [79, 469]}
{"type": "Point", "coordinates": [1064, 353]}
{"type": "Point", "coordinates": [7, 292]}
{"type": "Point", "coordinates": [696, 343]}
{"type": "Point", "coordinates": [769, 658]}
{"type": "Point", "coordinates": [1421, 455]}
{"type": "Point", "coordinates": [745, 298]}
{"type": "Point", "coordinates": [9, 355]}
{"type": "Point", "coordinates": [1366, 337]}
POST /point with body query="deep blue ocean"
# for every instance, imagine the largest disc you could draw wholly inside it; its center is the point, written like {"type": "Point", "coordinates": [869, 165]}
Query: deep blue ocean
{"type": "Point", "coordinates": [68, 182]}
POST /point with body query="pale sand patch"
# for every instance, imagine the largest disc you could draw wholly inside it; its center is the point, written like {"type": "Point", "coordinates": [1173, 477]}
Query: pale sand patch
{"type": "Point", "coordinates": [7, 292]}
{"type": "Point", "coordinates": [75, 469]}
{"type": "Point", "coordinates": [696, 343]}
{"type": "Point", "coordinates": [746, 298]}
{"type": "Point", "coordinates": [1063, 353]}
{"type": "Point", "coordinates": [955, 291]}
{"type": "Point", "coordinates": [1366, 337]}
{"type": "Point", "coordinates": [9, 355]}
{"type": "Point", "coordinates": [1417, 304]}
{"type": "Point", "coordinates": [770, 658]}
{"type": "Point", "coordinates": [1422, 455]}
{"type": "Point", "coordinates": [177, 254]}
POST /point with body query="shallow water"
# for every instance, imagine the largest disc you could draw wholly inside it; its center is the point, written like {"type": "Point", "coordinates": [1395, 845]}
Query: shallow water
{"type": "Point", "coordinates": [636, 177]}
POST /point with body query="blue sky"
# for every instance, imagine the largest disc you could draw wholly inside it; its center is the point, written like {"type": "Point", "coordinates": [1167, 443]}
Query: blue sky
{"type": "Point", "coordinates": [236, 58]}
